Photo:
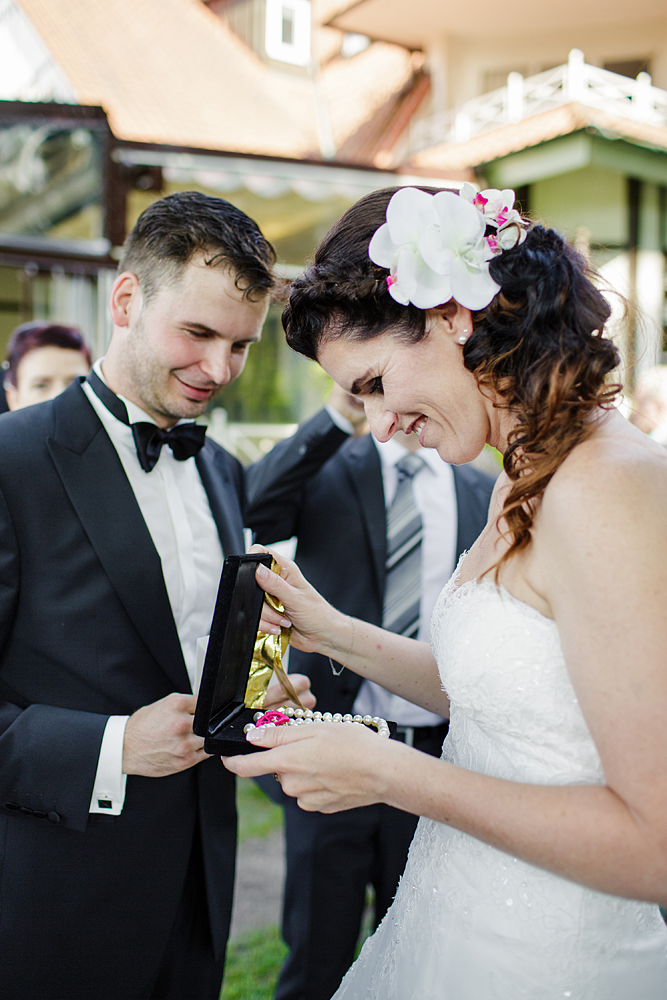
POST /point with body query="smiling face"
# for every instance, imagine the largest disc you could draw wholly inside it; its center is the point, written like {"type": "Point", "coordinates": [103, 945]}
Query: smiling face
{"type": "Point", "coordinates": [420, 388]}
{"type": "Point", "coordinates": [44, 373]}
{"type": "Point", "coordinates": [172, 354]}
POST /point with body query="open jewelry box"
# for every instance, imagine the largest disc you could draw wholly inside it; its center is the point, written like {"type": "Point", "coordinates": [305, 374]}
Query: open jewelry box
{"type": "Point", "coordinates": [240, 662]}
{"type": "Point", "coordinates": [221, 713]}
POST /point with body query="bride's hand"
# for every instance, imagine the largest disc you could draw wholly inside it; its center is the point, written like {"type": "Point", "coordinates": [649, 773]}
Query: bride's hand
{"type": "Point", "coordinates": [325, 767]}
{"type": "Point", "coordinates": [314, 621]}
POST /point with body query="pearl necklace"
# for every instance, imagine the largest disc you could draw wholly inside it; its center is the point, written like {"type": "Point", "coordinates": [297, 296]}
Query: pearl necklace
{"type": "Point", "coordinates": [287, 716]}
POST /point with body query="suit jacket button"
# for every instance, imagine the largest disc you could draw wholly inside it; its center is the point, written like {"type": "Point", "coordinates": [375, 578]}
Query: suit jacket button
{"type": "Point", "coordinates": [12, 805]}
{"type": "Point", "coordinates": [53, 817]}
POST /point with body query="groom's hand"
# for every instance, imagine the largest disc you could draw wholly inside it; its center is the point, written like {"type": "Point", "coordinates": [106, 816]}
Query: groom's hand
{"type": "Point", "coordinates": [276, 697]}
{"type": "Point", "coordinates": [159, 739]}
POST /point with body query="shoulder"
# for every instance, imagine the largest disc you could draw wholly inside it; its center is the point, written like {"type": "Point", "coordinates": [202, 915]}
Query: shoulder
{"type": "Point", "coordinates": [606, 506]}
{"type": "Point", "coordinates": [22, 431]}
{"type": "Point", "coordinates": [609, 472]}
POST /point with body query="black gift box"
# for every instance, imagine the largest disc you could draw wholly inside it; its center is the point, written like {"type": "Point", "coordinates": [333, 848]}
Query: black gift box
{"type": "Point", "coordinates": [221, 715]}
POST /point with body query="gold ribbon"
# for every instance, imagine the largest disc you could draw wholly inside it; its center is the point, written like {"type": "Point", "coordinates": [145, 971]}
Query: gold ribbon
{"type": "Point", "coordinates": [267, 659]}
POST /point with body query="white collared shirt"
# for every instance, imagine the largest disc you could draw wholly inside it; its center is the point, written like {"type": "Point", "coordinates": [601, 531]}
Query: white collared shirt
{"type": "Point", "coordinates": [174, 505]}
{"type": "Point", "coordinates": [435, 497]}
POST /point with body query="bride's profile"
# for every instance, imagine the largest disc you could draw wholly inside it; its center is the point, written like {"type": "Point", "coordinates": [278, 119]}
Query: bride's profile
{"type": "Point", "coordinates": [541, 856]}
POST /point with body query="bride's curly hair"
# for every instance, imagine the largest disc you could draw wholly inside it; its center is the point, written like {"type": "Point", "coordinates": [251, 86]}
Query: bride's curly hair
{"type": "Point", "coordinates": [538, 348]}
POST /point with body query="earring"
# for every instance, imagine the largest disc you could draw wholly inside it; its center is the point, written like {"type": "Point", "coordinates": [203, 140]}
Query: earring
{"type": "Point", "coordinates": [464, 336]}
{"type": "Point", "coordinates": [462, 340]}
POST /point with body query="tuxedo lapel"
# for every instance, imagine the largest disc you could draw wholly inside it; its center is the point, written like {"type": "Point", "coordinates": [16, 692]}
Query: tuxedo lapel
{"type": "Point", "coordinates": [364, 471]}
{"type": "Point", "coordinates": [96, 484]}
{"type": "Point", "coordinates": [213, 466]}
{"type": "Point", "coordinates": [472, 503]}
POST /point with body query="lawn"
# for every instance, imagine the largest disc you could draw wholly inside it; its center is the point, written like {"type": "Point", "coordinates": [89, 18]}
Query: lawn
{"type": "Point", "coordinates": [253, 961]}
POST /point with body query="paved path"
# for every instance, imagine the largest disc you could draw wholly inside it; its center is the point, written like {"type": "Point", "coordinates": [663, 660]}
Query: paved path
{"type": "Point", "coordinates": [260, 872]}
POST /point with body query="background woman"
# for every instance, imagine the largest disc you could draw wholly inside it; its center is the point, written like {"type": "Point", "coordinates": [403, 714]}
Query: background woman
{"type": "Point", "coordinates": [42, 360]}
{"type": "Point", "coordinates": [547, 816]}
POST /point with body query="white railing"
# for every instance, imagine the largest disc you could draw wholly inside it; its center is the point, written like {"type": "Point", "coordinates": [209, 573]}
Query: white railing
{"type": "Point", "coordinates": [524, 97]}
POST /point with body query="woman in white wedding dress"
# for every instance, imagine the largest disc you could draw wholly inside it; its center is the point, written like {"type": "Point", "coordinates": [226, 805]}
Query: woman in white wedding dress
{"type": "Point", "coordinates": [537, 867]}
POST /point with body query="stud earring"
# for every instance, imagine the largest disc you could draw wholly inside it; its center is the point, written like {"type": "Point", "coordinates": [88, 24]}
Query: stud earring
{"type": "Point", "coordinates": [462, 340]}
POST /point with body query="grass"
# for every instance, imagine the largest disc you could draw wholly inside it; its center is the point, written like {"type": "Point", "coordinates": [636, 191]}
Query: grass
{"type": "Point", "coordinates": [253, 962]}
{"type": "Point", "coordinates": [254, 958]}
{"type": "Point", "coordinates": [258, 815]}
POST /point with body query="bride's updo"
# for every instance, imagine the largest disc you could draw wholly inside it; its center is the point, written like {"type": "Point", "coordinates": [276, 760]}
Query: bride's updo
{"type": "Point", "coordinates": [537, 347]}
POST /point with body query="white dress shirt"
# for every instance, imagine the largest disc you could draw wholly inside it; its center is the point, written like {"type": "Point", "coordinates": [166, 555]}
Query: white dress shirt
{"type": "Point", "coordinates": [174, 505]}
{"type": "Point", "coordinates": [435, 497]}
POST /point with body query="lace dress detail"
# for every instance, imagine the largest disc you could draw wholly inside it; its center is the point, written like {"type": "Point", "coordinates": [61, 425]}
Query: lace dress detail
{"type": "Point", "coordinates": [470, 922]}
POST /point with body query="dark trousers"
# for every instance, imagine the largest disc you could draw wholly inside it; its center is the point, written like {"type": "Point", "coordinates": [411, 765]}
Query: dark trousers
{"type": "Point", "coordinates": [330, 861]}
{"type": "Point", "coordinates": [189, 969]}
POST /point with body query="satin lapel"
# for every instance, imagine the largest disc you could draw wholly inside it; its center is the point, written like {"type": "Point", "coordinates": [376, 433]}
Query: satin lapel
{"type": "Point", "coordinates": [104, 501]}
{"type": "Point", "coordinates": [363, 467]}
{"type": "Point", "coordinates": [215, 474]}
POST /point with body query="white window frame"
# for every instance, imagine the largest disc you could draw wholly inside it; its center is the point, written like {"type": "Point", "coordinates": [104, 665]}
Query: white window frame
{"type": "Point", "coordinates": [298, 52]}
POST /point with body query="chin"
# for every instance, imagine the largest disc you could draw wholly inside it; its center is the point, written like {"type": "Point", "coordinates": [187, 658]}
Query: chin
{"type": "Point", "coordinates": [457, 455]}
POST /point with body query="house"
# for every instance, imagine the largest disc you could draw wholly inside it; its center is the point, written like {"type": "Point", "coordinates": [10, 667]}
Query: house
{"type": "Point", "coordinates": [565, 103]}
{"type": "Point", "coordinates": [108, 104]}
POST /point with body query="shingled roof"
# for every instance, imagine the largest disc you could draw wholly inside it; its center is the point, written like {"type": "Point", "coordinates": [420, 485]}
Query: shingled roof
{"type": "Point", "coordinates": [170, 71]}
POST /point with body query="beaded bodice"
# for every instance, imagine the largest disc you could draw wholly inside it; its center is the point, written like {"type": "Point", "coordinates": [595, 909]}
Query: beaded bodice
{"type": "Point", "coordinates": [514, 711]}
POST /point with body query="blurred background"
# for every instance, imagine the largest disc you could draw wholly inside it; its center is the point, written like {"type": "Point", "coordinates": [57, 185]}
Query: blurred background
{"type": "Point", "coordinates": [293, 109]}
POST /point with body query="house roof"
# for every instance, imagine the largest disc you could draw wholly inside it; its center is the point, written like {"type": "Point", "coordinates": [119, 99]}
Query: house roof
{"type": "Point", "coordinates": [418, 23]}
{"type": "Point", "coordinates": [172, 72]}
{"type": "Point", "coordinates": [456, 158]}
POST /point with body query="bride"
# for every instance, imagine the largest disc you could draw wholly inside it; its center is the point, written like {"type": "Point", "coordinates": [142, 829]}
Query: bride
{"type": "Point", "coordinates": [541, 855]}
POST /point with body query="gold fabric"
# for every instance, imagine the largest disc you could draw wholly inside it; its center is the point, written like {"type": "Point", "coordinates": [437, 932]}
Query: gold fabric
{"type": "Point", "coordinates": [267, 659]}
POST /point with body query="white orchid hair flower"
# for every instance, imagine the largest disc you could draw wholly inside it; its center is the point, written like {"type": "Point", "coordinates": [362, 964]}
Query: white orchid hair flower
{"type": "Point", "coordinates": [434, 247]}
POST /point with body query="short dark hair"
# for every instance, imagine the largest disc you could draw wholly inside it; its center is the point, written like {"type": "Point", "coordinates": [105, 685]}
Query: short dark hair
{"type": "Point", "coordinates": [171, 231]}
{"type": "Point", "coordinates": [38, 333]}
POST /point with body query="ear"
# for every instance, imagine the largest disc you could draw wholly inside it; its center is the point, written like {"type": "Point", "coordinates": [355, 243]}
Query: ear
{"type": "Point", "coordinates": [125, 298]}
{"type": "Point", "coordinates": [453, 318]}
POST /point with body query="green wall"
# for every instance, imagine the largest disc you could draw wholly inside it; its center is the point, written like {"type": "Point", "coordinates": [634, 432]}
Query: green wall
{"type": "Point", "coordinates": [591, 198]}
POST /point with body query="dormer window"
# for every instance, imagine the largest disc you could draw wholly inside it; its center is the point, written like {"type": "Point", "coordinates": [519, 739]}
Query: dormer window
{"type": "Point", "coordinates": [287, 36]}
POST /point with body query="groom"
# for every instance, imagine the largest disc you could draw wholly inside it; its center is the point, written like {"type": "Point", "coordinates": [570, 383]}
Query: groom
{"type": "Point", "coordinates": [117, 834]}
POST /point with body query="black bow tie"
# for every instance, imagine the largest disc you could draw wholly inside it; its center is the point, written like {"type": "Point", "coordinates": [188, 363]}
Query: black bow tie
{"type": "Point", "coordinates": [185, 440]}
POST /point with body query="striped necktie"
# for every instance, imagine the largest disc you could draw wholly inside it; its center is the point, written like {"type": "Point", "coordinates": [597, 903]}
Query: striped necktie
{"type": "Point", "coordinates": [402, 589]}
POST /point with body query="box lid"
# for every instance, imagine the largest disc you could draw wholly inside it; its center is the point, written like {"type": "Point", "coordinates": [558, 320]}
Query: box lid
{"type": "Point", "coordinates": [238, 609]}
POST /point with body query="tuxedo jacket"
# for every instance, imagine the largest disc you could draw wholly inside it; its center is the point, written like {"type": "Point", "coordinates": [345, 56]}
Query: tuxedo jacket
{"type": "Point", "coordinates": [86, 631]}
{"type": "Point", "coordinates": [337, 511]}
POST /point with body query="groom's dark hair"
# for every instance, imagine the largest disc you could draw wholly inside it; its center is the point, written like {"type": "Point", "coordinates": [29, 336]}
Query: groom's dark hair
{"type": "Point", "coordinates": [173, 230]}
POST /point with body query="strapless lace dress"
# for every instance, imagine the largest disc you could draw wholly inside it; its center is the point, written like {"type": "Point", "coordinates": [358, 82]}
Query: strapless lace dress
{"type": "Point", "coordinates": [470, 922]}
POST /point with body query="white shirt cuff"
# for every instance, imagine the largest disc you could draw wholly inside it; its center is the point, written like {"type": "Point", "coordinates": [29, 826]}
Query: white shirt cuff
{"type": "Point", "coordinates": [339, 420]}
{"type": "Point", "coordinates": [109, 788]}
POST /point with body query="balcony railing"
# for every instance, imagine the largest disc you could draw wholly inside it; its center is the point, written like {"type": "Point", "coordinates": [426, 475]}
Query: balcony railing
{"type": "Point", "coordinates": [523, 97]}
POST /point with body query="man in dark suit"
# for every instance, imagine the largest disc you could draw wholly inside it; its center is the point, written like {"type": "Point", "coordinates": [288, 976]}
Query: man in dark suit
{"type": "Point", "coordinates": [341, 516]}
{"type": "Point", "coordinates": [117, 833]}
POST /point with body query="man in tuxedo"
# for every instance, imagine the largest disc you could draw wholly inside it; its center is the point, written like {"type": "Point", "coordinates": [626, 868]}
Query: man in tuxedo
{"type": "Point", "coordinates": [380, 528]}
{"type": "Point", "coordinates": [117, 833]}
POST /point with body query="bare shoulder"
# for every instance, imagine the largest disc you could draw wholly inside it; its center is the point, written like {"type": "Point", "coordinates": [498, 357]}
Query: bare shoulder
{"type": "Point", "coordinates": [616, 472]}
